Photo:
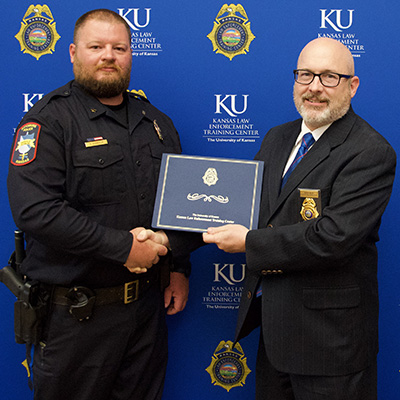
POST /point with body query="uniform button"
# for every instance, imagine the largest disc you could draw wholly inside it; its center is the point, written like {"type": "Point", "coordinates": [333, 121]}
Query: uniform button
{"type": "Point", "coordinates": [138, 163]}
{"type": "Point", "coordinates": [101, 161]}
{"type": "Point", "coordinates": [249, 294]}
{"type": "Point", "coordinates": [142, 196]}
{"type": "Point", "coordinates": [143, 112]}
{"type": "Point", "coordinates": [265, 272]}
{"type": "Point", "coordinates": [270, 226]}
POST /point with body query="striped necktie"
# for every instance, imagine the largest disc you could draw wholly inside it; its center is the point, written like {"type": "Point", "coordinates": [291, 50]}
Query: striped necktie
{"type": "Point", "coordinates": [306, 142]}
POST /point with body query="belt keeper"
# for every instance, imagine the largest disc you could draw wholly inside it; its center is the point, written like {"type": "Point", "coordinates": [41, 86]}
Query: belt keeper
{"type": "Point", "coordinates": [131, 291]}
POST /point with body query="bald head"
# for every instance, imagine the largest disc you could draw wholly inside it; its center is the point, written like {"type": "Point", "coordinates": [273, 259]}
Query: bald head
{"type": "Point", "coordinates": [317, 103]}
{"type": "Point", "coordinates": [326, 54]}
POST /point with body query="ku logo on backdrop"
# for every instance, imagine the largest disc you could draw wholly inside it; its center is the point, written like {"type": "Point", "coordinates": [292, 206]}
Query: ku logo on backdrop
{"type": "Point", "coordinates": [230, 123]}
{"type": "Point", "coordinates": [30, 99]}
{"type": "Point", "coordinates": [143, 42]}
{"type": "Point", "coordinates": [226, 290]}
{"type": "Point", "coordinates": [336, 15]}
{"type": "Point", "coordinates": [339, 22]}
{"type": "Point", "coordinates": [133, 13]}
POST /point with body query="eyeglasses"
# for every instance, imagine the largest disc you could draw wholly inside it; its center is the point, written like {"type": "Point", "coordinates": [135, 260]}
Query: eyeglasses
{"type": "Point", "coordinates": [327, 79]}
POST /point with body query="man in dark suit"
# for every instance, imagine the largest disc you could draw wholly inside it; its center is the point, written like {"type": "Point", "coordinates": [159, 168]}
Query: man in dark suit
{"type": "Point", "coordinates": [313, 258]}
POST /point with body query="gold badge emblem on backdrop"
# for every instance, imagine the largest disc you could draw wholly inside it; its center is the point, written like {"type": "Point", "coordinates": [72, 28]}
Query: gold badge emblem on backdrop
{"type": "Point", "coordinates": [38, 35]}
{"type": "Point", "coordinates": [228, 366]}
{"type": "Point", "coordinates": [231, 34]}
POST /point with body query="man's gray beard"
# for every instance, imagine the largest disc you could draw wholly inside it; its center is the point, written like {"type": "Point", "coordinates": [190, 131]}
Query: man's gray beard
{"type": "Point", "coordinates": [318, 119]}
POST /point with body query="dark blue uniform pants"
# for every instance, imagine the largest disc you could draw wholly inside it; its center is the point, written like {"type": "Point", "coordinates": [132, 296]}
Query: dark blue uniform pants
{"type": "Point", "coordinates": [120, 353]}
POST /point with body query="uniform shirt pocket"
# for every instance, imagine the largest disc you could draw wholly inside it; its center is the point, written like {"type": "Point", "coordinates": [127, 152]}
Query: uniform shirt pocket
{"type": "Point", "coordinates": [99, 174]}
{"type": "Point", "coordinates": [156, 151]}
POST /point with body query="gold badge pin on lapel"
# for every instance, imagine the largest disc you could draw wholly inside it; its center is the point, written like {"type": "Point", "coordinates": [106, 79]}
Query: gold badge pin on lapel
{"type": "Point", "coordinates": [311, 203]}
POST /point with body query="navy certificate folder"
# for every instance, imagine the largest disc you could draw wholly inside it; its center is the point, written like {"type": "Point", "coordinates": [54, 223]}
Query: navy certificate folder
{"type": "Point", "coordinates": [196, 192]}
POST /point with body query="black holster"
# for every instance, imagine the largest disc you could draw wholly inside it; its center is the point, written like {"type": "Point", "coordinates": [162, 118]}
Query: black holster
{"type": "Point", "coordinates": [31, 306]}
{"type": "Point", "coordinates": [29, 317]}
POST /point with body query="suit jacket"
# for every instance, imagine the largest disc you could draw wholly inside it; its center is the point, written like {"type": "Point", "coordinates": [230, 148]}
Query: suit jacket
{"type": "Point", "coordinates": [319, 276]}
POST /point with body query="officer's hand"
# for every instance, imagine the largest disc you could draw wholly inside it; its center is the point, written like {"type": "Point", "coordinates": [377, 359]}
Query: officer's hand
{"type": "Point", "coordinates": [230, 238]}
{"type": "Point", "coordinates": [177, 293]}
{"type": "Point", "coordinates": [143, 254]}
{"type": "Point", "coordinates": [158, 237]}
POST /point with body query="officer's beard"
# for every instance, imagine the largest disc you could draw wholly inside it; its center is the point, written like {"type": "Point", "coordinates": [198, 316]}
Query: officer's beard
{"type": "Point", "coordinates": [106, 87]}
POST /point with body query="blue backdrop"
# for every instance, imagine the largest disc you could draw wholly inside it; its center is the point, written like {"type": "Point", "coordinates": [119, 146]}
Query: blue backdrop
{"type": "Point", "coordinates": [222, 105]}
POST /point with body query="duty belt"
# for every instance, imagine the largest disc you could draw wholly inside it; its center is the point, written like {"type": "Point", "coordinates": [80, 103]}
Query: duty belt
{"type": "Point", "coordinates": [127, 293]}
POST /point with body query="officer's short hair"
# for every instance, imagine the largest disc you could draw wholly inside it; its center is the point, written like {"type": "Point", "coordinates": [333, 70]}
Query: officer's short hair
{"type": "Point", "coordinates": [102, 14]}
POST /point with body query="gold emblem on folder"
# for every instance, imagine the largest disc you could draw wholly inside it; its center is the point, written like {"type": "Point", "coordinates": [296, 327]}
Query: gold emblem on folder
{"type": "Point", "coordinates": [210, 177]}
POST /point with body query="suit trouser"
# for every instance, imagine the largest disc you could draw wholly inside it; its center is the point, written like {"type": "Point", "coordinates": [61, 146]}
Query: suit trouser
{"type": "Point", "coordinates": [120, 353]}
{"type": "Point", "coordinates": [275, 385]}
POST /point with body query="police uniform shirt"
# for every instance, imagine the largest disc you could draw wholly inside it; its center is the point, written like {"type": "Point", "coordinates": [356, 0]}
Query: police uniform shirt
{"type": "Point", "coordinates": [86, 181]}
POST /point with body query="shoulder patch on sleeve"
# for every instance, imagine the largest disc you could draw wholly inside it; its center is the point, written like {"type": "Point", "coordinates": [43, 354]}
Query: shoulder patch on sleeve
{"type": "Point", "coordinates": [25, 146]}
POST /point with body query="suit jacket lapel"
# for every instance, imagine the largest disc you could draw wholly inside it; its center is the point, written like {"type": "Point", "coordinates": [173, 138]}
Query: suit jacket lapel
{"type": "Point", "coordinates": [287, 142]}
{"type": "Point", "coordinates": [333, 137]}
{"type": "Point", "coordinates": [272, 182]}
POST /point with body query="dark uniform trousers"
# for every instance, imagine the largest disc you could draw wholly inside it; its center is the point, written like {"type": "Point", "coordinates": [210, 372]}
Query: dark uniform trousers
{"type": "Point", "coordinates": [120, 353]}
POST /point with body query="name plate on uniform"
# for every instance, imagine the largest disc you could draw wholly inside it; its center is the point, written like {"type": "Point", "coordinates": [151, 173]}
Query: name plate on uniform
{"type": "Point", "coordinates": [195, 193]}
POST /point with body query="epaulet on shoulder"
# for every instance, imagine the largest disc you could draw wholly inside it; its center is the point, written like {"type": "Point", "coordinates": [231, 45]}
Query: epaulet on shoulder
{"type": "Point", "coordinates": [139, 94]}
{"type": "Point", "coordinates": [63, 91]}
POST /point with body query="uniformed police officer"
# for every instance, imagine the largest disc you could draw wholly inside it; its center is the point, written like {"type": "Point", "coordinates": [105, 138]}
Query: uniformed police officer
{"type": "Point", "coordinates": [82, 183]}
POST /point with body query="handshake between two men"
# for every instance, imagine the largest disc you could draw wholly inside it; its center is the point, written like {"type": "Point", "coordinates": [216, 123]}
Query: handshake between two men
{"type": "Point", "coordinates": [148, 246]}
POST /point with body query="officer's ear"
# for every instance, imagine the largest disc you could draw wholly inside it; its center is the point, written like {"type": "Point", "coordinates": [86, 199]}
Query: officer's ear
{"type": "Point", "coordinates": [72, 50]}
